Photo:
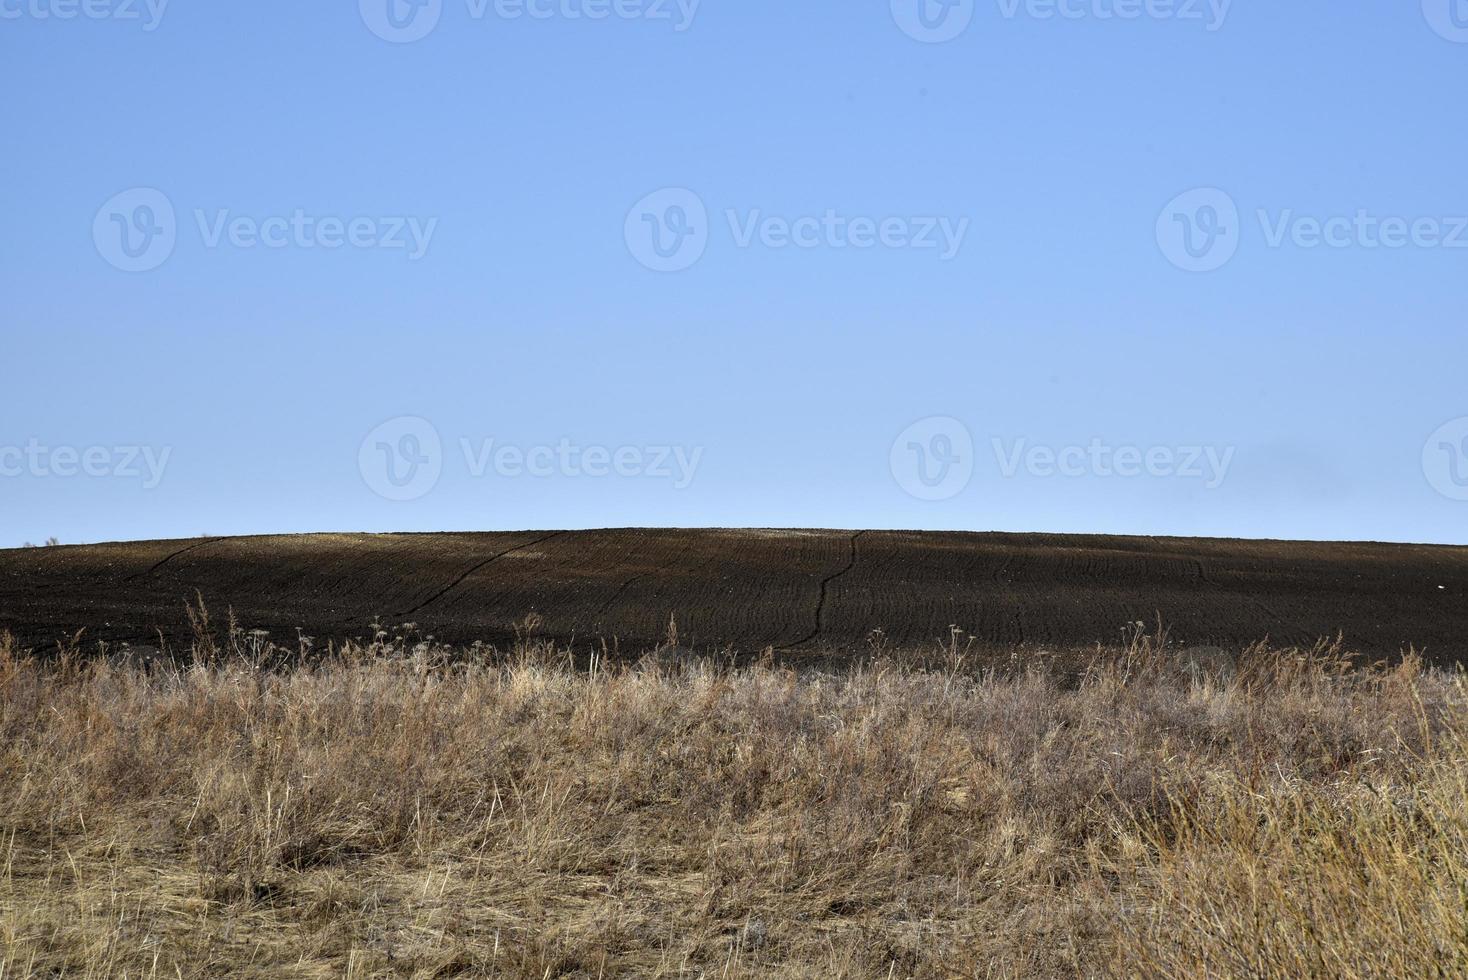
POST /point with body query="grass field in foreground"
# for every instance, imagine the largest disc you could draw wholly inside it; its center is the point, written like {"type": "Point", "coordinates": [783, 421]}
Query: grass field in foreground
{"type": "Point", "coordinates": [406, 811]}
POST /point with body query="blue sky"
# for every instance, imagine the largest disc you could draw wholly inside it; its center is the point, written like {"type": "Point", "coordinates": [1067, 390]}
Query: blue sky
{"type": "Point", "coordinates": [1092, 265]}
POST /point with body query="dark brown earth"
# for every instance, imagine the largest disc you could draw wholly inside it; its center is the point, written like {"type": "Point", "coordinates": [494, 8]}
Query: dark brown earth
{"type": "Point", "coordinates": [796, 591]}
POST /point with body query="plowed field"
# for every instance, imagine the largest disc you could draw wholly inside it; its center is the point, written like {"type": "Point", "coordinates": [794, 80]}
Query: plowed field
{"type": "Point", "coordinates": [796, 591]}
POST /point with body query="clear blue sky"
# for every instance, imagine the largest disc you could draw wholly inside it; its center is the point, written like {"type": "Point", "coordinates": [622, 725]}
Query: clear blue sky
{"type": "Point", "coordinates": [531, 152]}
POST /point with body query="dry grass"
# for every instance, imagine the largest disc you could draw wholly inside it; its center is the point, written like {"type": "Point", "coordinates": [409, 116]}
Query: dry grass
{"type": "Point", "coordinates": [400, 811]}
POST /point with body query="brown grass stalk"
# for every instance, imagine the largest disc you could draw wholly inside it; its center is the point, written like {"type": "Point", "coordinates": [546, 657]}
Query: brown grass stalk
{"type": "Point", "coordinates": [402, 810]}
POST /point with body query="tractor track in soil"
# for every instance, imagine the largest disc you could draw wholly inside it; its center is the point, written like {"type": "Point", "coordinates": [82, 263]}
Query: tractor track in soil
{"type": "Point", "coordinates": [825, 584]}
{"type": "Point", "coordinates": [470, 571]}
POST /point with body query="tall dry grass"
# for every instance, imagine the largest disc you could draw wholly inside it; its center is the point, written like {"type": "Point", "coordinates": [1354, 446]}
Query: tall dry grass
{"type": "Point", "coordinates": [398, 810]}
